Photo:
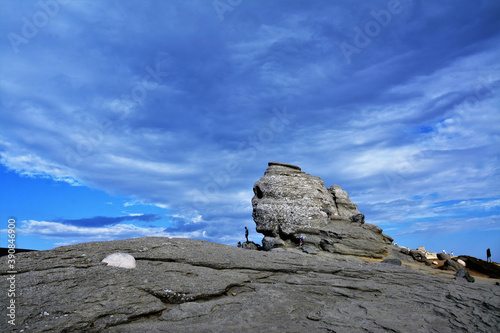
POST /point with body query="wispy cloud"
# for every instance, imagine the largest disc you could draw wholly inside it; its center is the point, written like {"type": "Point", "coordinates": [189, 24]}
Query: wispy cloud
{"type": "Point", "coordinates": [77, 234]}
{"type": "Point", "coordinates": [106, 221]}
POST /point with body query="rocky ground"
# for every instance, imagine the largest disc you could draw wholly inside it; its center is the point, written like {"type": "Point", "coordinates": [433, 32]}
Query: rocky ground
{"type": "Point", "coordinates": [184, 285]}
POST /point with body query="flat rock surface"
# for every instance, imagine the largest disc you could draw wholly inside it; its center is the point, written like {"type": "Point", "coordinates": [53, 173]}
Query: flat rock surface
{"type": "Point", "coordinates": [184, 285]}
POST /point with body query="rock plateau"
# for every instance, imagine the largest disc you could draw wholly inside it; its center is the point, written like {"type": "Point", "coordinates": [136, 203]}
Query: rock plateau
{"type": "Point", "coordinates": [185, 285]}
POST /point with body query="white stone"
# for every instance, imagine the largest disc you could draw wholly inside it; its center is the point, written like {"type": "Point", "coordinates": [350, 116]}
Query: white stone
{"type": "Point", "coordinates": [461, 262]}
{"type": "Point", "coordinates": [122, 260]}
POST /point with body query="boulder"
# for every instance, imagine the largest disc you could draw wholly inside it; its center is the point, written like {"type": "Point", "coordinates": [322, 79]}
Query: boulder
{"type": "Point", "coordinates": [404, 250]}
{"type": "Point", "coordinates": [461, 262]}
{"type": "Point", "coordinates": [188, 285]}
{"type": "Point", "coordinates": [451, 265]}
{"type": "Point", "coordinates": [121, 260]}
{"type": "Point", "coordinates": [418, 256]}
{"type": "Point", "coordinates": [443, 256]}
{"type": "Point", "coordinates": [289, 204]}
{"type": "Point", "coordinates": [462, 273]}
{"type": "Point", "coordinates": [250, 246]}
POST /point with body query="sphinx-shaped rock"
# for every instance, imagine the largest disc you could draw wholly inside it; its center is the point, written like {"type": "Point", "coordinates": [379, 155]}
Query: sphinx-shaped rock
{"type": "Point", "coordinates": [289, 205]}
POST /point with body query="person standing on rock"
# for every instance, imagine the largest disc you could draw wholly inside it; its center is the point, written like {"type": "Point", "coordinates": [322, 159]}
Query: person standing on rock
{"type": "Point", "coordinates": [488, 255]}
{"type": "Point", "coordinates": [246, 233]}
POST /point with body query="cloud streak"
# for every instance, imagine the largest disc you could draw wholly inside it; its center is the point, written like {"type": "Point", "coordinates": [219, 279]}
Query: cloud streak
{"type": "Point", "coordinates": [106, 221]}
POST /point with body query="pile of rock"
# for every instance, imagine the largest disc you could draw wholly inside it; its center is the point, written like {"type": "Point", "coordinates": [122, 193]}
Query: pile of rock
{"type": "Point", "coordinates": [290, 205]}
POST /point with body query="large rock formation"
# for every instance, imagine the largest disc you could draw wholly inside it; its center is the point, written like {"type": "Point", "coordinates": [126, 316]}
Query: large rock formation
{"type": "Point", "coordinates": [289, 205]}
{"type": "Point", "coordinates": [185, 285]}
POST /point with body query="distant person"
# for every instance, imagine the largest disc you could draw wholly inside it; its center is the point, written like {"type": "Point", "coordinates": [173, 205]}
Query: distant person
{"type": "Point", "coordinates": [452, 255]}
{"type": "Point", "coordinates": [488, 255]}
{"type": "Point", "coordinates": [246, 233]}
{"type": "Point", "coordinates": [444, 251]}
{"type": "Point", "coordinates": [239, 244]}
{"type": "Point", "coordinates": [301, 240]}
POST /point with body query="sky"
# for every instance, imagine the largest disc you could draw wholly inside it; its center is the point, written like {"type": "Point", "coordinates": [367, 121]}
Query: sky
{"type": "Point", "coordinates": [123, 119]}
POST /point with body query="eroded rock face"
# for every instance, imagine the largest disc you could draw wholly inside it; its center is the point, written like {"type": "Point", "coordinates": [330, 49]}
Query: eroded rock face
{"type": "Point", "coordinates": [186, 285]}
{"type": "Point", "coordinates": [289, 205]}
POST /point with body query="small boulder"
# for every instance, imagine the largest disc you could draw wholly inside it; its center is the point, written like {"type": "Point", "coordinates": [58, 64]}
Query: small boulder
{"type": "Point", "coordinates": [451, 265]}
{"type": "Point", "coordinates": [462, 273]}
{"type": "Point", "coordinates": [121, 260]}
{"type": "Point", "coordinates": [250, 246]}
{"type": "Point", "coordinates": [443, 256]}
{"type": "Point", "coordinates": [461, 262]}
{"type": "Point", "coordinates": [418, 256]}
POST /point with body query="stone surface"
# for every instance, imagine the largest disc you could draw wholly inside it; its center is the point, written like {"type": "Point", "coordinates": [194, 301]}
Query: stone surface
{"type": "Point", "coordinates": [462, 273]}
{"type": "Point", "coordinates": [289, 204]}
{"type": "Point", "coordinates": [250, 246]}
{"type": "Point", "coordinates": [418, 256]}
{"type": "Point", "coordinates": [451, 265]}
{"type": "Point", "coordinates": [183, 285]}
{"type": "Point", "coordinates": [122, 260]}
{"type": "Point", "coordinates": [443, 256]}
{"type": "Point", "coordinates": [396, 262]}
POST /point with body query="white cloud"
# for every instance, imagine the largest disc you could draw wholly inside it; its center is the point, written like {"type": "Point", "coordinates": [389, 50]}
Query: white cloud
{"type": "Point", "coordinates": [73, 234]}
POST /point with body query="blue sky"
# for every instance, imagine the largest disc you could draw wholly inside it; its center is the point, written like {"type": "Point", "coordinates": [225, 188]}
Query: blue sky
{"type": "Point", "coordinates": [124, 119]}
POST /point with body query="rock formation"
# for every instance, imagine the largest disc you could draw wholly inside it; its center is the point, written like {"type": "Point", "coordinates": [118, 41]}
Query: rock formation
{"type": "Point", "coordinates": [186, 285]}
{"type": "Point", "coordinates": [481, 266]}
{"type": "Point", "coordinates": [289, 205]}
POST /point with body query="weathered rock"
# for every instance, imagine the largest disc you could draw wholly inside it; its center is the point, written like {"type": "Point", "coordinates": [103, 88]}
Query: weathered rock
{"type": "Point", "coordinates": [343, 203]}
{"type": "Point", "coordinates": [482, 266]}
{"type": "Point", "coordinates": [290, 204]}
{"type": "Point", "coordinates": [250, 246]}
{"type": "Point", "coordinates": [122, 260]}
{"type": "Point", "coordinates": [461, 262]}
{"type": "Point", "coordinates": [396, 252]}
{"type": "Point", "coordinates": [404, 250]}
{"type": "Point", "coordinates": [183, 285]}
{"type": "Point", "coordinates": [418, 256]}
{"type": "Point", "coordinates": [358, 218]}
{"type": "Point", "coordinates": [443, 256]}
{"type": "Point", "coordinates": [451, 265]}
{"type": "Point", "coordinates": [462, 273]}
{"type": "Point", "coordinates": [308, 248]}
